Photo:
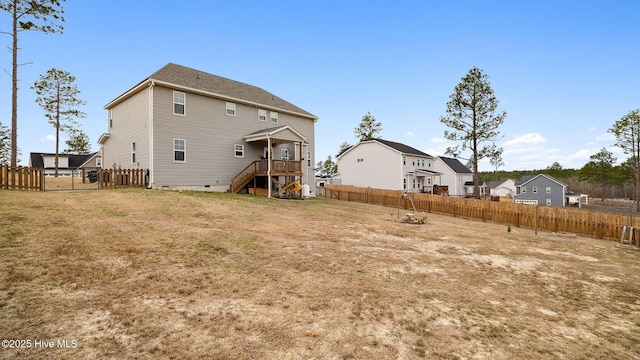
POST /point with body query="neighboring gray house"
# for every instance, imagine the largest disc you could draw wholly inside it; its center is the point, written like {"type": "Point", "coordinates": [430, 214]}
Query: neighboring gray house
{"type": "Point", "coordinates": [68, 164]}
{"type": "Point", "coordinates": [540, 189]}
{"type": "Point", "coordinates": [199, 131]}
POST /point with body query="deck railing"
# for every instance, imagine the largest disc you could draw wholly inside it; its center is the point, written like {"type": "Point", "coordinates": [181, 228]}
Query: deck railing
{"type": "Point", "coordinates": [261, 167]}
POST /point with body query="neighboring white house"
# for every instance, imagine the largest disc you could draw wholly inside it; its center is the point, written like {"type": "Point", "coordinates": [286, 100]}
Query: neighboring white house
{"type": "Point", "coordinates": [454, 176]}
{"type": "Point", "coordinates": [506, 188]}
{"type": "Point", "coordinates": [385, 164]}
{"type": "Point", "coordinates": [199, 131]}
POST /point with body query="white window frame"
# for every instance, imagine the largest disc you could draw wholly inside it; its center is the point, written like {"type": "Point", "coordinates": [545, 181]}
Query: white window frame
{"type": "Point", "coordinates": [99, 162]}
{"type": "Point", "coordinates": [184, 150]}
{"type": "Point", "coordinates": [549, 202]}
{"type": "Point", "coordinates": [238, 150]}
{"type": "Point", "coordinates": [262, 115]}
{"type": "Point", "coordinates": [178, 102]}
{"type": "Point", "coordinates": [548, 189]}
{"type": "Point", "coordinates": [274, 117]}
{"type": "Point", "coordinates": [284, 154]}
{"type": "Point", "coordinates": [133, 152]}
{"type": "Point", "coordinates": [308, 158]}
{"type": "Point", "coordinates": [230, 109]}
{"type": "Point", "coordinates": [524, 189]}
{"type": "Point", "coordinates": [534, 189]}
{"type": "Point", "coordinates": [110, 119]}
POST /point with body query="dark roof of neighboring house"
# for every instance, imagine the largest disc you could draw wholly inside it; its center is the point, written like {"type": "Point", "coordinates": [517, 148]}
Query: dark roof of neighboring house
{"type": "Point", "coordinates": [218, 86]}
{"type": "Point", "coordinates": [75, 161]}
{"type": "Point", "coordinates": [524, 179]}
{"type": "Point", "coordinates": [455, 165]}
{"type": "Point", "coordinates": [405, 149]}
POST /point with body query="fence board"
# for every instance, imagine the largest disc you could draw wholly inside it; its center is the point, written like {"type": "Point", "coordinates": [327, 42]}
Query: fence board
{"type": "Point", "coordinates": [21, 178]}
{"type": "Point", "coordinates": [547, 218]}
{"type": "Point", "coordinates": [115, 178]}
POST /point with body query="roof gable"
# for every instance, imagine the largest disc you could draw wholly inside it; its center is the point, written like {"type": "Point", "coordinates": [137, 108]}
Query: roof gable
{"type": "Point", "coordinates": [173, 75]}
{"type": "Point", "coordinates": [532, 178]}
{"type": "Point", "coordinates": [455, 165]}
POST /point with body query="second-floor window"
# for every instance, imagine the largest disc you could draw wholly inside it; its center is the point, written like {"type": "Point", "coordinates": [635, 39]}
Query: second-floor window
{"type": "Point", "coordinates": [231, 109]}
{"type": "Point", "coordinates": [534, 190]}
{"type": "Point", "coordinates": [262, 115]}
{"type": "Point", "coordinates": [133, 152]}
{"type": "Point", "coordinates": [548, 189]}
{"type": "Point", "coordinates": [274, 117]}
{"type": "Point", "coordinates": [179, 103]}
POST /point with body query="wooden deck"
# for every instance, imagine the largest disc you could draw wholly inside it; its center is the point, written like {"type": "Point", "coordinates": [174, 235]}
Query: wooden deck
{"type": "Point", "coordinates": [291, 170]}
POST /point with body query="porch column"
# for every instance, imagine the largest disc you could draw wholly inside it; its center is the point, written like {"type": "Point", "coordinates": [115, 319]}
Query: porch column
{"type": "Point", "coordinates": [302, 155]}
{"type": "Point", "coordinates": [269, 166]}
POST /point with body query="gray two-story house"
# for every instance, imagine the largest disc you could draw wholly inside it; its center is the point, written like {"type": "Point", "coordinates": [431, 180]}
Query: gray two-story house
{"type": "Point", "coordinates": [197, 131]}
{"type": "Point", "coordinates": [540, 189]}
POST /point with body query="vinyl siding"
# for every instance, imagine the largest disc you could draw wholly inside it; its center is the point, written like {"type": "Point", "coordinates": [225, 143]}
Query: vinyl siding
{"type": "Point", "coordinates": [380, 167]}
{"type": "Point", "coordinates": [557, 194]}
{"type": "Point", "coordinates": [130, 124]}
{"type": "Point", "coordinates": [210, 136]}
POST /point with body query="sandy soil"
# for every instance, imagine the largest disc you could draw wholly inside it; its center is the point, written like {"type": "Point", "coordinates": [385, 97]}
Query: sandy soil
{"type": "Point", "coordinates": [163, 275]}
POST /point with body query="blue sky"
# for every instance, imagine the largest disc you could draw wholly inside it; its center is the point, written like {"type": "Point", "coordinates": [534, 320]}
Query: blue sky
{"type": "Point", "coordinates": [564, 71]}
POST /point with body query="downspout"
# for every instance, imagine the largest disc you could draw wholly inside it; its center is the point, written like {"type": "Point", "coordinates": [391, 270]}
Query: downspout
{"type": "Point", "coordinates": [269, 165]}
{"type": "Point", "coordinates": [151, 172]}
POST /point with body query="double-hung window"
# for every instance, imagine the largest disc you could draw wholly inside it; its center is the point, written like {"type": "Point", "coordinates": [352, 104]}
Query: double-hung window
{"type": "Point", "coordinates": [262, 115]}
{"type": "Point", "coordinates": [179, 103]}
{"type": "Point", "coordinates": [133, 152]}
{"type": "Point", "coordinates": [231, 109]}
{"type": "Point", "coordinates": [179, 150]}
{"type": "Point", "coordinates": [274, 117]}
{"type": "Point", "coordinates": [238, 150]}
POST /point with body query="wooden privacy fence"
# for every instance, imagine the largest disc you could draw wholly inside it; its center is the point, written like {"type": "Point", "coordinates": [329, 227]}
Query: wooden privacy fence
{"type": "Point", "coordinates": [21, 178]}
{"type": "Point", "coordinates": [114, 178]}
{"type": "Point", "coordinates": [548, 218]}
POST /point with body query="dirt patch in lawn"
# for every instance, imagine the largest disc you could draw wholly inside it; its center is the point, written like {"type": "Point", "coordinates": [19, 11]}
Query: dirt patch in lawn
{"type": "Point", "coordinates": [157, 274]}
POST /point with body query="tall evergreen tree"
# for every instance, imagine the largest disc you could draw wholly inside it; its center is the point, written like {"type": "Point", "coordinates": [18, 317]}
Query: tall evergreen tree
{"type": "Point", "coordinates": [368, 128]}
{"type": "Point", "coordinates": [600, 170]}
{"type": "Point", "coordinates": [627, 133]}
{"type": "Point", "coordinates": [57, 95]}
{"type": "Point", "coordinates": [78, 143]}
{"type": "Point", "coordinates": [27, 15]}
{"type": "Point", "coordinates": [472, 118]}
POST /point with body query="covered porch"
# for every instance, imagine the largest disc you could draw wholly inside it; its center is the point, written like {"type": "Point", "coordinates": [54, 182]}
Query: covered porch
{"type": "Point", "coordinates": [279, 172]}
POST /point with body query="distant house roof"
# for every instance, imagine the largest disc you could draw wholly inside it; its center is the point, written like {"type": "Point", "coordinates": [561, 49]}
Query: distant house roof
{"type": "Point", "coordinates": [75, 161]}
{"type": "Point", "coordinates": [405, 149]}
{"type": "Point", "coordinates": [527, 178]}
{"type": "Point", "coordinates": [191, 80]}
{"type": "Point", "coordinates": [455, 165]}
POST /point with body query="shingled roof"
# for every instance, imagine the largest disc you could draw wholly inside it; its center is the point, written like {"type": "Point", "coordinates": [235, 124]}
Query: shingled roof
{"type": "Point", "coordinates": [405, 149]}
{"type": "Point", "coordinates": [216, 86]}
{"type": "Point", "coordinates": [455, 165]}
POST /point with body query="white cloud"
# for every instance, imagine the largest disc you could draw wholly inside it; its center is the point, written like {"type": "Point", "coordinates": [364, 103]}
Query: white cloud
{"type": "Point", "coordinates": [437, 140]}
{"type": "Point", "coordinates": [51, 138]}
{"type": "Point", "coordinates": [582, 154]}
{"type": "Point", "coordinates": [527, 139]}
{"type": "Point", "coordinates": [409, 134]}
{"type": "Point", "coordinates": [605, 137]}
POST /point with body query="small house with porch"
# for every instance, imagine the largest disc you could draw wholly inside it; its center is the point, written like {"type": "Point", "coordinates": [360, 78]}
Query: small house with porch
{"type": "Point", "coordinates": [198, 131]}
{"type": "Point", "coordinates": [68, 164]}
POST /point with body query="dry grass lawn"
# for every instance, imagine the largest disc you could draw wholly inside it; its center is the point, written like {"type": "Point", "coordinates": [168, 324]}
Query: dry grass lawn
{"type": "Point", "coordinates": [165, 275]}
